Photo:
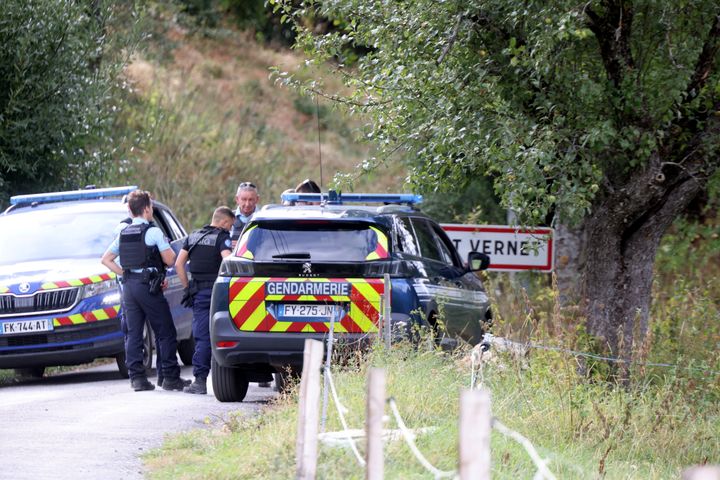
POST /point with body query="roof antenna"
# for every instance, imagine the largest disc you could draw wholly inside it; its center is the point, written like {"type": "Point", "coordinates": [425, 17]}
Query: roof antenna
{"type": "Point", "coordinates": [317, 115]}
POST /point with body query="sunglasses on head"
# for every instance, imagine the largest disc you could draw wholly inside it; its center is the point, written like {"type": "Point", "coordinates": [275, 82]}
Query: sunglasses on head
{"type": "Point", "coordinates": [246, 185]}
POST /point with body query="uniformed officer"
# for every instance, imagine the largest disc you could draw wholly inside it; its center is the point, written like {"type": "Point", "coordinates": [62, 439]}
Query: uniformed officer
{"type": "Point", "coordinates": [145, 252]}
{"type": "Point", "coordinates": [247, 198]}
{"type": "Point", "coordinates": [205, 248]}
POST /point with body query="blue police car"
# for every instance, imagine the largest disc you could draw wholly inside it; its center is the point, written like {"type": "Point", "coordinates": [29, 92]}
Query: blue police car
{"type": "Point", "coordinates": [58, 304]}
{"type": "Point", "coordinates": [301, 271]}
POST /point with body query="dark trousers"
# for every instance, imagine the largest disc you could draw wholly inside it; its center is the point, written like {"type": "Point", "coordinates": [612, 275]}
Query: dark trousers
{"type": "Point", "coordinates": [141, 306]}
{"type": "Point", "coordinates": [201, 332]}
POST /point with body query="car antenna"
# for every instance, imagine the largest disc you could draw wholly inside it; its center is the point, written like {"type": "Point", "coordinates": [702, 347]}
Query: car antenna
{"type": "Point", "coordinates": [317, 115]}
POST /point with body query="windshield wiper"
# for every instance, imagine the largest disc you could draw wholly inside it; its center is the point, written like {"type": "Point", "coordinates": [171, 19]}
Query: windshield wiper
{"type": "Point", "coordinates": [303, 255]}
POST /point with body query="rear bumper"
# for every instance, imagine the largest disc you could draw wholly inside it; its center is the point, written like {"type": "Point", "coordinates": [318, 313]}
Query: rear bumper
{"type": "Point", "coordinates": [69, 345]}
{"type": "Point", "coordinates": [276, 349]}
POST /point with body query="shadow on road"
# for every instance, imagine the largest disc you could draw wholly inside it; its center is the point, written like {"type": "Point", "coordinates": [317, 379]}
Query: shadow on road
{"type": "Point", "coordinates": [63, 378]}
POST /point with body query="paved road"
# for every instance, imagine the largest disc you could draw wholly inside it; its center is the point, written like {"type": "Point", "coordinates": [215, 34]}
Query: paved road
{"type": "Point", "coordinates": [91, 425]}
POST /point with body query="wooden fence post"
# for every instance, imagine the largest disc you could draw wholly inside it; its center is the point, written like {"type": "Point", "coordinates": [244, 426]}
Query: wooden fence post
{"type": "Point", "coordinates": [374, 424]}
{"type": "Point", "coordinates": [307, 434]}
{"type": "Point", "coordinates": [704, 472]}
{"type": "Point", "coordinates": [475, 428]}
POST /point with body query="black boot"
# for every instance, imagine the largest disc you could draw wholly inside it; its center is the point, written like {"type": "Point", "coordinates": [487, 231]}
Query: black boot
{"type": "Point", "coordinates": [141, 383]}
{"type": "Point", "coordinates": [175, 384]}
{"type": "Point", "coordinates": [199, 386]}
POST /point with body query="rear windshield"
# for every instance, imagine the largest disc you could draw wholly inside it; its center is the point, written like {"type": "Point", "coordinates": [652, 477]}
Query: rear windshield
{"type": "Point", "coordinates": [314, 241]}
{"type": "Point", "coordinates": [56, 234]}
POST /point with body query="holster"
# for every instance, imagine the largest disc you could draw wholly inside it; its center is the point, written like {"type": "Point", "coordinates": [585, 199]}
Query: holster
{"type": "Point", "coordinates": [155, 282]}
{"type": "Point", "coordinates": [189, 293]}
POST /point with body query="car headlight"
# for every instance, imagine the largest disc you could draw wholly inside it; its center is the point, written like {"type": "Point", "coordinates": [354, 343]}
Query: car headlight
{"type": "Point", "coordinates": [100, 288]}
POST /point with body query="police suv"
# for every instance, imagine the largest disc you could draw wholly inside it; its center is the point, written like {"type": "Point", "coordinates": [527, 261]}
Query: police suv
{"type": "Point", "coordinates": [301, 271]}
{"type": "Point", "coordinates": [58, 304]}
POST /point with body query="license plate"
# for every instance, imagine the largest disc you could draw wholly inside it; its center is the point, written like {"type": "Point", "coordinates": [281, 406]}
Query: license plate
{"type": "Point", "coordinates": [301, 310]}
{"type": "Point", "coordinates": [25, 326]}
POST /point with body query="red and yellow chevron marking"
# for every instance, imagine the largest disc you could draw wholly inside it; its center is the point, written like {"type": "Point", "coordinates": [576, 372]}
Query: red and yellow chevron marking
{"type": "Point", "coordinates": [250, 314]}
{"type": "Point", "coordinates": [78, 282]}
{"type": "Point", "coordinates": [381, 251]}
{"type": "Point", "coordinates": [242, 250]}
{"type": "Point", "coordinates": [87, 317]}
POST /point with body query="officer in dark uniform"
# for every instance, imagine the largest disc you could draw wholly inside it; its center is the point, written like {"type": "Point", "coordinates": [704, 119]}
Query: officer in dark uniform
{"type": "Point", "coordinates": [205, 248]}
{"type": "Point", "coordinates": [145, 252]}
{"type": "Point", "coordinates": [247, 198]}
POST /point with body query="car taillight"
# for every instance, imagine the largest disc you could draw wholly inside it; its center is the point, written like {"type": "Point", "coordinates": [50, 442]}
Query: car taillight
{"type": "Point", "coordinates": [233, 267]}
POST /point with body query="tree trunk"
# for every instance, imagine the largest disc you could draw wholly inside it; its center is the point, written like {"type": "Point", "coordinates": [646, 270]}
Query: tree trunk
{"type": "Point", "coordinates": [623, 234]}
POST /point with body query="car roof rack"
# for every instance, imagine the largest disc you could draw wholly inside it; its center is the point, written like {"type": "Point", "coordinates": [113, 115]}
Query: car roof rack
{"type": "Point", "coordinates": [89, 193]}
{"type": "Point", "coordinates": [337, 198]}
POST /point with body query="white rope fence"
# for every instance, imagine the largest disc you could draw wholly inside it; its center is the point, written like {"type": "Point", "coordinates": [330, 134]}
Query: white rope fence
{"type": "Point", "coordinates": [529, 448]}
{"type": "Point", "coordinates": [408, 436]}
{"type": "Point", "coordinates": [340, 409]}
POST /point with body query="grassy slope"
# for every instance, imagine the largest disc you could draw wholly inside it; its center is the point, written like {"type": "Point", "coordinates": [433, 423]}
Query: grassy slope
{"type": "Point", "coordinates": [205, 116]}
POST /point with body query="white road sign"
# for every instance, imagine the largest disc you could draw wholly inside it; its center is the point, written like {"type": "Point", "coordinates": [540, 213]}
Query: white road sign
{"type": "Point", "coordinates": [510, 249]}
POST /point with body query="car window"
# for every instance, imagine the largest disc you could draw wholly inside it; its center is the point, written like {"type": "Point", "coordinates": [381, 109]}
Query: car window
{"type": "Point", "coordinates": [426, 238]}
{"type": "Point", "coordinates": [406, 237]}
{"type": "Point", "coordinates": [447, 250]}
{"type": "Point", "coordinates": [161, 222]}
{"type": "Point", "coordinates": [313, 240]}
{"type": "Point", "coordinates": [172, 226]}
{"type": "Point", "coordinates": [56, 233]}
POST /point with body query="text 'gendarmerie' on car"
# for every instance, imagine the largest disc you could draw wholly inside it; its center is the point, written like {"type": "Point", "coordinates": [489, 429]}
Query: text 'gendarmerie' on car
{"type": "Point", "coordinates": [296, 266]}
{"type": "Point", "coordinates": [58, 304]}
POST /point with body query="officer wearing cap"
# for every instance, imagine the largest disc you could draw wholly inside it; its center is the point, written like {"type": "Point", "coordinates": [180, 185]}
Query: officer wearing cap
{"type": "Point", "coordinates": [205, 248]}
{"type": "Point", "coordinates": [145, 252]}
{"type": "Point", "coordinates": [247, 198]}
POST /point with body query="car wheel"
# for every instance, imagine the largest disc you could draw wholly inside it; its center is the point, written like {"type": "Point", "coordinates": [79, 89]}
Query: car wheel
{"type": "Point", "coordinates": [122, 367]}
{"type": "Point", "coordinates": [186, 350]}
{"type": "Point", "coordinates": [31, 372]}
{"type": "Point", "coordinates": [229, 384]}
{"type": "Point", "coordinates": [148, 347]}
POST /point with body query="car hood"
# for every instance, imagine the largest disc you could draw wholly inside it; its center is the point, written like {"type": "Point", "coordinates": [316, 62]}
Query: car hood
{"type": "Point", "coordinates": [28, 277]}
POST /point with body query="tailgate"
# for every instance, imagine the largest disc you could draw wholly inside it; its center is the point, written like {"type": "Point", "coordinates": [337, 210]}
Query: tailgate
{"type": "Point", "coordinates": [271, 304]}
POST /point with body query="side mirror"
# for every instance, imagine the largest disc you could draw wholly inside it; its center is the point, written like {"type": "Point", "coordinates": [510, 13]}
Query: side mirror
{"type": "Point", "coordinates": [478, 261]}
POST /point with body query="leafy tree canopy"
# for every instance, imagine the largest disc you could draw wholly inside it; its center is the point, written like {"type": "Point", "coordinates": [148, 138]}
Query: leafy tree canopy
{"type": "Point", "coordinates": [55, 93]}
{"type": "Point", "coordinates": [533, 93]}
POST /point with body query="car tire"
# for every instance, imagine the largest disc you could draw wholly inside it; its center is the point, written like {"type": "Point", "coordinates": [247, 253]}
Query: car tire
{"type": "Point", "coordinates": [148, 348]}
{"type": "Point", "coordinates": [229, 384]}
{"type": "Point", "coordinates": [186, 350]}
{"type": "Point", "coordinates": [31, 372]}
{"type": "Point", "coordinates": [122, 366]}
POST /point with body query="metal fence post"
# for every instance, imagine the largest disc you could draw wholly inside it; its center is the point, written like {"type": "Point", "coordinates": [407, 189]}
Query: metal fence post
{"type": "Point", "coordinates": [307, 434]}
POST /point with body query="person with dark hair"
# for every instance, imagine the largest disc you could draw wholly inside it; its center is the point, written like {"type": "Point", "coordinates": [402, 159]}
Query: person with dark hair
{"type": "Point", "coordinates": [247, 198]}
{"type": "Point", "coordinates": [145, 253]}
{"type": "Point", "coordinates": [205, 248]}
{"type": "Point", "coordinates": [307, 186]}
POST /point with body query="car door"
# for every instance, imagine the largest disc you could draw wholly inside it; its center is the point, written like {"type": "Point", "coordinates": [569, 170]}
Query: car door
{"type": "Point", "coordinates": [468, 286]}
{"type": "Point", "coordinates": [176, 234]}
{"type": "Point", "coordinates": [443, 278]}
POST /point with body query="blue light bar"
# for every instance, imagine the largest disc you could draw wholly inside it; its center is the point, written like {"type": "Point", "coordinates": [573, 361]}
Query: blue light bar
{"type": "Point", "coordinates": [335, 198]}
{"type": "Point", "coordinates": [89, 194]}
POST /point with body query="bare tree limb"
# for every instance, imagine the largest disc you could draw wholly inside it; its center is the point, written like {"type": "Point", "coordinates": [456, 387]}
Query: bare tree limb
{"type": "Point", "coordinates": [453, 37]}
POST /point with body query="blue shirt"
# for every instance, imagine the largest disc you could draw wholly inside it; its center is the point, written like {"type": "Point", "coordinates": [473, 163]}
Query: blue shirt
{"type": "Point", "coordinates": [153, 237]}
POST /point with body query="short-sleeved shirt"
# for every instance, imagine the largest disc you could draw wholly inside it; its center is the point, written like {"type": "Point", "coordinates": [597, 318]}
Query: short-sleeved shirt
{"type": "Point", "coordinates": [153, 237]}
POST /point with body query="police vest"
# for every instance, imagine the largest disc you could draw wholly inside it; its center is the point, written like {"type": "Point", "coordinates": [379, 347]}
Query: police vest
{"type": "Point", "coordinates": [204, 253]}
{"type": "Point", "coordinates": [134, 253]}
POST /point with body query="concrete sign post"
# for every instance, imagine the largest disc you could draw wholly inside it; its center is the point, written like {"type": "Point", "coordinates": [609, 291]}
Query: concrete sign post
{"type": "Point", "coordinates": [511, 249]}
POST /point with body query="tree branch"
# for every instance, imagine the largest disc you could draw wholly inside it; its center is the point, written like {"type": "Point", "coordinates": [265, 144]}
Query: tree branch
{"type": "Point", "coordinates": [612, 30]}
{"type": "Point", "coordinates": [453, 37]}
{"type": "Point", "coordinates": [705, 62]}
